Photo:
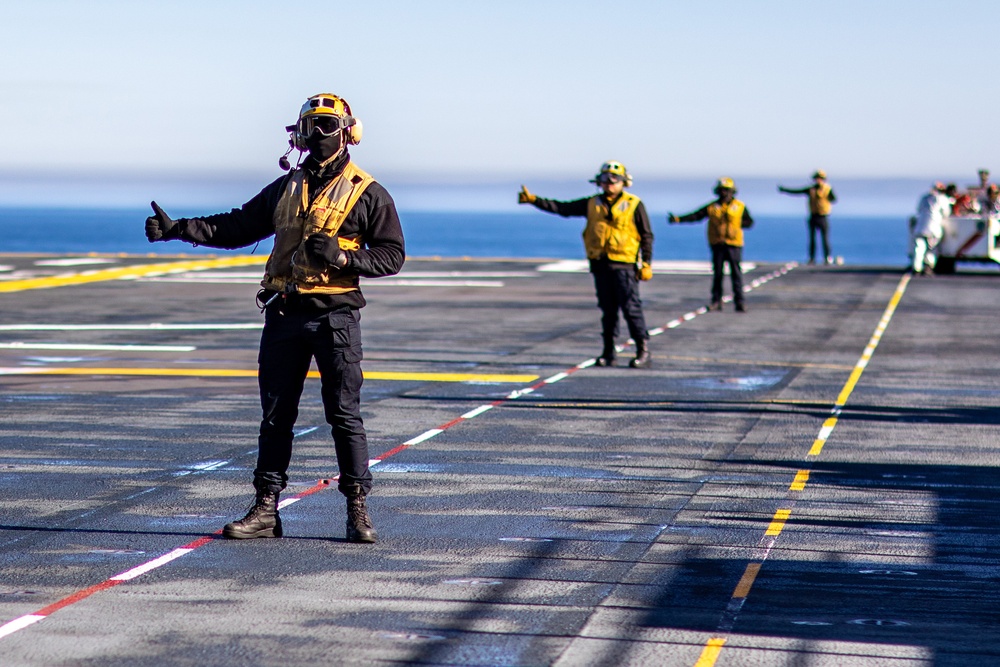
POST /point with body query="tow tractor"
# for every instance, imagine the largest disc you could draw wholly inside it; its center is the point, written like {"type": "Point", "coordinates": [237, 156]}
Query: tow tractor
{"type": "Point", "coordinates": [967, 238]}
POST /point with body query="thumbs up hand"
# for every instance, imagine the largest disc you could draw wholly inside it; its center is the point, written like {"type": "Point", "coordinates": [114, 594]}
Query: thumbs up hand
{"type": "Point", "coordinates": [525, 197]}
{"type": "Point", "coordinates": [159, 226]}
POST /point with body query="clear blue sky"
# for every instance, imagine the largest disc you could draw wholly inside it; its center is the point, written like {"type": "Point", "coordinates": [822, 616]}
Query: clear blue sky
{"type": "Point", "coordinates": [477, 90]}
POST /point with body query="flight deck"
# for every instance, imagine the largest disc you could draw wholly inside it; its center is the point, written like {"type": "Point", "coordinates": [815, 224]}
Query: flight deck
{"type": "Point", "coordinates": [814, 482]}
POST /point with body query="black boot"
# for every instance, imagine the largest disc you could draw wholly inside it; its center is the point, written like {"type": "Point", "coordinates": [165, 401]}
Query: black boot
{"type": "Point", "coordinates": [261, 521]}
{"type": "Point", "coordinates": [359, 524]}
{"type": "Point", "coordinates": [642, 358]}
{"type": "Point", "coordinates": [607, 357]}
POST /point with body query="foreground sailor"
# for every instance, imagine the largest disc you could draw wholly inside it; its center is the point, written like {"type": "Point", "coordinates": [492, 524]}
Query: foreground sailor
{"type": "Point", "coordinates": [617, 234]}
{"type": "Point", "coordinates": [821, 200]}
{"type": "Point", "coordinates": [332, 222]}
{"type": "Point", "coordinates": [727, 217]}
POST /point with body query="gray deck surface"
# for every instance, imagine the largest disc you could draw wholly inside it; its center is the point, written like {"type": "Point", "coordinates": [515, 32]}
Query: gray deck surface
{"type": "Point", "coordinates": [611, 516]}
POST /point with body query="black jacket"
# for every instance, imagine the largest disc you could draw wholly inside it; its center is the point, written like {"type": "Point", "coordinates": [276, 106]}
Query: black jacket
{"type": "Point", "coordinates": [373, 218]}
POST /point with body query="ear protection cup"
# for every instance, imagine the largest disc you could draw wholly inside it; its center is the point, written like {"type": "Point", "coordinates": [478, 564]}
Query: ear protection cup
{"type": "Point", "coordinates": [354, 133]}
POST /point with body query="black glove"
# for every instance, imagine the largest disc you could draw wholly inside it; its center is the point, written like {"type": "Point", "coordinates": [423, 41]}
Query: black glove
{"type": "Point", "coordinates": [159, 226]}
{"type": "Point", "coordinates": [328, 249]}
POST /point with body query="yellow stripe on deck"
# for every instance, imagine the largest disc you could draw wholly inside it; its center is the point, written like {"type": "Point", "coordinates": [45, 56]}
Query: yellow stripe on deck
{"type": "Point", "coordinates": [232, 372]}
{"type": "Point", "coordinates": [709, 654]}
{"type": "Point", "coordinates": [780, 517]}
{"type": "Point", "coordinates": [129, 272]}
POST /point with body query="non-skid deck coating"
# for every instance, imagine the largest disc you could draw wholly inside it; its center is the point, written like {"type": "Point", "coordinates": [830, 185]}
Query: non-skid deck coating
{"type": "Point", "coordinates": [811, 483]}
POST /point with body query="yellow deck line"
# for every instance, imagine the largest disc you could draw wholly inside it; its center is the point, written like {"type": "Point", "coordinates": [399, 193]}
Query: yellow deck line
{"type": "Point", "coordinates": [859, 368]}
{"type": "Point", "coordinates": [235, 372]}
{"type": "Point", "coordinates": [129, 272]}
{"type": "Point", "coordinates": [780, 517]}
{"type": "Point", "coordinates": [713, 647]}
{"type": "Point", "coordinates": [746, 581]}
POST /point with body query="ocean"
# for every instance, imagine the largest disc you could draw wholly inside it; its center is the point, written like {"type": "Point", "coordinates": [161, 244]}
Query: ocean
{"type": "Point", "coordinates": [859, 240]}
{"type": "Point", "coordinates": [455, 219]}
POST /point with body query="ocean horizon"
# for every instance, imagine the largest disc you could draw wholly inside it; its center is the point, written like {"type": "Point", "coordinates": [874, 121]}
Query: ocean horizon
{"type": "Point", "coordinates": [527, 233]}
{"type": "Point", "coordinates": [91, 213]}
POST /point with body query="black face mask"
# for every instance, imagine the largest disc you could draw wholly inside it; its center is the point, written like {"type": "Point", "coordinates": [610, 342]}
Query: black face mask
{"type": "Point", "coordinates": [322, 147]}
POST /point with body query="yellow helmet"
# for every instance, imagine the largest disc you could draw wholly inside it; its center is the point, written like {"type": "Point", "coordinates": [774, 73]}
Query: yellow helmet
{"type": "Point", "coordinates": [724, 183]}
{"type": "Point", "coordinates": [613, 168]}
{"type": "Point", "coordinates": [326, 113]}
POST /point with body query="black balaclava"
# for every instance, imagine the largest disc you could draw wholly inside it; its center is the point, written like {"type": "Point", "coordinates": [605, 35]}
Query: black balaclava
{"type": "Point", "coordinates": [322, 148]}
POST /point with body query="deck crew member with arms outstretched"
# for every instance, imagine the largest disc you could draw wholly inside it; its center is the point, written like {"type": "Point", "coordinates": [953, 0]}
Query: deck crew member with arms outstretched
{"type": "Point", "coordinates": [618, 240]}
{"type": "Point", "coordinates": [332, 222]}
{"type": "Point", "coordinates": [821, 200]}
{"type": "Point", "coordinates": [727, 217]}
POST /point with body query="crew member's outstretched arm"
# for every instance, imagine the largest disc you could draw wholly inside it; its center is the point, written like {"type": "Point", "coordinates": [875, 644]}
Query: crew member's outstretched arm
{"type": "Point", "coordinates": [567, 209]}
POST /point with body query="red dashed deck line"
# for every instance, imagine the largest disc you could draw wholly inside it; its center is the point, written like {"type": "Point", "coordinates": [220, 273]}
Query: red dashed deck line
{"type": "Point", "coordinates": [22, 622]}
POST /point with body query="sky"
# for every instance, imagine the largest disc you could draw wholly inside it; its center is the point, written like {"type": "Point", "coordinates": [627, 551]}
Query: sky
{"type": "Point", "coordinates": [468, 91]}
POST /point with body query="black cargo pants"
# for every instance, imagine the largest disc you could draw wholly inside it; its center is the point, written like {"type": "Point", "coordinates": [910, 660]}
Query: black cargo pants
{"type": "Point", "coordinates": [723, 254]}
{"type": "Point", "coordinates": [618, 290]}
{"type": "Point", "coordinates": [819, 224]}
{"type": "Point", "coordinates": [287, 345]}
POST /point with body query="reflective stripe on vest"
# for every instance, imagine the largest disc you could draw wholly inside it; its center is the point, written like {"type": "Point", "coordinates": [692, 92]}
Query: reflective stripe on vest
{"type": "Point", "coordinates": [290, 267]}
{"type": "Point", "coordinates": [725, 223]}
{"type": "Point", "coordinates": [819, 199]}
{"type": "Point", "coordinates": [616, 235]}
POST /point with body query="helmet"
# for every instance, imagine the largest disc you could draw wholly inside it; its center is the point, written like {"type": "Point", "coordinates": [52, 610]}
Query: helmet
{"type": "Point", "coordinates": [724, 183]}
{"type": "Point", "coordinates": [820, 174]}
{"type": "Point", "coordinates": [613, 168]}
{"type": "Point", "coordinates": [325, 113]}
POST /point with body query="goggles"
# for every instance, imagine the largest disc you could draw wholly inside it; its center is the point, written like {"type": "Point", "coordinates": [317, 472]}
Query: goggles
{"type": "Point", "coordinates": [326, 124]}
{"type": "Point", "coordinates": [610, 178]}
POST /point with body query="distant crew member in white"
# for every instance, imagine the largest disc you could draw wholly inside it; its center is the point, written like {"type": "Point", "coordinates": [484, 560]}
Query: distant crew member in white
{"type": "Point", "coordinates": [932, 209]}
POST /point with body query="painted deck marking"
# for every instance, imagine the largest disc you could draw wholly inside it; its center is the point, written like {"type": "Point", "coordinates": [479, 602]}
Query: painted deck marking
{"type": "Point", "coordinates": [18, 345]}
{"type": "Point", "coordinates": [248, 373]}
{"type": "Point", "coordinates": [713, 647]}
{"type": "Point", "coordinates": [152, 326]}
{"type": "Point", "coordinates": [127, 272]}
{"type": "Point", "coordinates": [746, 581]}
{"type": "Point", "coordinates": [708, 656]}
{"type": "Point", "coordinates": [151, 565]}
{"type": "Point", "coordinates": [478, 411]}
{"type": "Point", "coordinates": [778, 522]}
{"type": "Point", "coordinates": [799, 483]}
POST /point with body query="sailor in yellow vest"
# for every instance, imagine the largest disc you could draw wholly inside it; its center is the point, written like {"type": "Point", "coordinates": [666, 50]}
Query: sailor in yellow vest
{"type": "Point", "coordinates": [821, 200]}
{"type": "Point", "coordinates": [331, 223]}
{"type": "Point", "coordinates": [727, 218]}
{"type": "Point", "coordinates": [618, 240]}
